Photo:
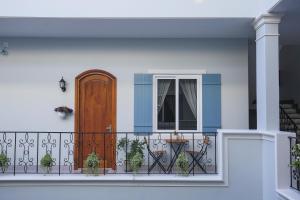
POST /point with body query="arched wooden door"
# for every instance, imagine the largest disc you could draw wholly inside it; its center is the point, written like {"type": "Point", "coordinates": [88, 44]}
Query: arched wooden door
{"type": "Point", "coordinates": [95, 117]}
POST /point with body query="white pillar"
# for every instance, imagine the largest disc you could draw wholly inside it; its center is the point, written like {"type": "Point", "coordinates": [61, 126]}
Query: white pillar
{"type": "Point", "coordinates": [267, 72]}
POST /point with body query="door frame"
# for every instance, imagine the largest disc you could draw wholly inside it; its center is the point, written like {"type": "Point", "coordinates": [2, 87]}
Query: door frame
{"type": "Point", "coordinates": [78, 160]}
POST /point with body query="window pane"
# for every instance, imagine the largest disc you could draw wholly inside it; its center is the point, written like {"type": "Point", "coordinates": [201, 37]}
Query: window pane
{"type": "Point", "coordinates": [166, 104]}
{"type": "Point", "coordinates": [188, 104]}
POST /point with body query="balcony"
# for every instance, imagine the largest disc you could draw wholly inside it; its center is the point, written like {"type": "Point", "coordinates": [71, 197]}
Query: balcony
{"type": "Point", "coordinates": [119, 153]}
{"type": "Point", "coordinates": [233, 163]}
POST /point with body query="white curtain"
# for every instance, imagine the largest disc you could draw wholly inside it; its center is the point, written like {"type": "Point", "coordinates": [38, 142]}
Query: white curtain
{"type": "Point", "coordinates": [189, 88]}
{"type": "Point", "coordinates": [162, 90]}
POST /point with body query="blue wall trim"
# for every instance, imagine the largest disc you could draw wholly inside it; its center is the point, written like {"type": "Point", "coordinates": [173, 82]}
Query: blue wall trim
{"type": "Point", "coordinates": [143, 102]}
{"type": "Point", "coordinates": [211, 102]}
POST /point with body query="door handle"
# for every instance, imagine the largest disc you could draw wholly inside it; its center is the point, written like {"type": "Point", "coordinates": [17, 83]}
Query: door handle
{"type": "Point", "coordinates": [109, 128]}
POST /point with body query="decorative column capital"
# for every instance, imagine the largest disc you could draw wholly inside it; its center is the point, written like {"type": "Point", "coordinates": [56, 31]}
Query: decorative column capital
{"type": "Point", "coordinates": [266, 19]}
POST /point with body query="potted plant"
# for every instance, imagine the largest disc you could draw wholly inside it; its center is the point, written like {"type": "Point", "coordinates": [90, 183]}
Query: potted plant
{"type": "Point", "coordinates": [47, 162]}
{"type": "Point", "coordinates": [182, 164]}
{"type": "Point", "coordinates": [136, 162]}
{"type": "Point", "coordinates": [122, 144]}
{"type": "Point", "coordinates": [4, 162]}
{"type": "Point", "coordinates": [92, 164]}
{"type": "Point", "coordinates": [63, 111]}
{"type": "Point", "coordinates": [296, 162]}
{"type": "Point", "coordinates": [134, 146]}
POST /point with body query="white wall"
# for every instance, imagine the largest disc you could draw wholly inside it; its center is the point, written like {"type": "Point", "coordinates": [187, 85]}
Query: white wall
{"type": "Point", "coordinates": [29, 75]}
{"type": "Point", "coordinates": [268, 169]}
{"type": "Point", "coordinates": [129, 8]}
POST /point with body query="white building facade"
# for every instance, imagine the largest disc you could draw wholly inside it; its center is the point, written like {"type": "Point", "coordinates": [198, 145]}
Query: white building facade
{"type": "Point", "coordinates": [156, 53]}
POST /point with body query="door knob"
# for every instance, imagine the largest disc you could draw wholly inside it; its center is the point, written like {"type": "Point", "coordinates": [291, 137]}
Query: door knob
{"type": "Point", "coordinates": [109, 128]}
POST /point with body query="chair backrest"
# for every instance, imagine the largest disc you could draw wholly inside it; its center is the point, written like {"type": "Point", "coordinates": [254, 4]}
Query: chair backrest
{"type": "Point", "coordinates": [206, 140]}
{"type": "Point", "coordinates": [147, 144]}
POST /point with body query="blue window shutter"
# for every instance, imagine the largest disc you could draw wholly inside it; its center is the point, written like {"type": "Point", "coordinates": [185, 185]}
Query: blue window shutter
{"type": "Point", "coordinates": [143, 103]}
{"type": "Point", "coordinates": [211, 102]}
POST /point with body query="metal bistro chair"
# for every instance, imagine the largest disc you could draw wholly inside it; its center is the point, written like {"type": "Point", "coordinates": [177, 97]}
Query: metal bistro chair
{"type": "Point", "coordinates": [156, 155]}
{"type": "Point", "coordinates": [197, 156]}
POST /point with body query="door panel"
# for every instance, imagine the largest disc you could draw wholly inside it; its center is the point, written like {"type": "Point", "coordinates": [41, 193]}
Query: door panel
{"type": "Point", "coordinates": [94, 113]}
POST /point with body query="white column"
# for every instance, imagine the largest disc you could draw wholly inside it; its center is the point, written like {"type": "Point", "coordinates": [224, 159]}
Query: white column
{"type": "Point", "coordinates": [267, 72]}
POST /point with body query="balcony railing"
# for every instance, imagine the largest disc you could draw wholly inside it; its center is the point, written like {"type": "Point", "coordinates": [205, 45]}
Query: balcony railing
{"type": "Point", "coordinates": [191, 153]}
{"type": "Point", "coordinates": [294, 163]}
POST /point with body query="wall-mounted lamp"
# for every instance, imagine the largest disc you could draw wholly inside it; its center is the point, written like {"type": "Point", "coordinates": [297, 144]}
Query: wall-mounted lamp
{"type": "Point", "coordinates": [62, 84]}
{"type": "Point", "coordinates": [4, 49]}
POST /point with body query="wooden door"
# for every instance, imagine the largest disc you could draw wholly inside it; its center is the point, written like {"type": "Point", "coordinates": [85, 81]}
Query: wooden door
{"type": "Point", "coordinates": [95, 117]}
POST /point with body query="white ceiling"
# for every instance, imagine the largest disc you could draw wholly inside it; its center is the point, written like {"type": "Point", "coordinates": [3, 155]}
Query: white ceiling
{"type": "Point", "coordinates": [130, 8]}
{"type": "Point", "coordinates": [132, 28]}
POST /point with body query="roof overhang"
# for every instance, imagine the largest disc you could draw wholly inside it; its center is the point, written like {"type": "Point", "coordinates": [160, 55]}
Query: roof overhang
{"type": "Point", "coordinates": [127, 27]}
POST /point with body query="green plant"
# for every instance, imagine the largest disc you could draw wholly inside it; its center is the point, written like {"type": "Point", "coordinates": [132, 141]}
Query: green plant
{"type": "Point", "coordinates": [182, 163]}
{"type": "Point", "coordinates": [92, 163]}
{"type": "Point", "coordinates": [134, 146]}
{"type": "Point", "coordinates": [136, 162]}
{"type": "Point", "coordinates": [122, 144]}
{"type": "Point", "coordinates": [296, 153]}
{"type": "Point", "coordinates": [47, 162]}
{"type": "Point", "coordinates": [4, 162]}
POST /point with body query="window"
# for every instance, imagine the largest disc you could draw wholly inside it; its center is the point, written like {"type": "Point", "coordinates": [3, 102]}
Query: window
{"type": "Point", "coordinates": [177, 102]}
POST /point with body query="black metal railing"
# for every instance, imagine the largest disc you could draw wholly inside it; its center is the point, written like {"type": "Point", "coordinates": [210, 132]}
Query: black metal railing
{"type": "Point", "coordinates": [294, 163]}
{"type": "Point", "coordinates": [118, 152]}
{"type": "Point", "coordinates": [286, 122]}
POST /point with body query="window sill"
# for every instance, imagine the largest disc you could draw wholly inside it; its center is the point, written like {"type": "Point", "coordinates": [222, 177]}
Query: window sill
{"type": "Point", "coordinates": [118, 180]}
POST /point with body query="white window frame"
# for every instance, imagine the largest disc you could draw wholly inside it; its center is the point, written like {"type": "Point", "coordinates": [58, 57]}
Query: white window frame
{"type": "Point", "coordinates": [156, 77]}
